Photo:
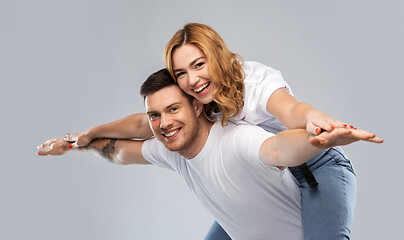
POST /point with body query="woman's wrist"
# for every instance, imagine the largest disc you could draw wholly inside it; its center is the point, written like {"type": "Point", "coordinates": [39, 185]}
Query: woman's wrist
{"type": "Point", "coordinates": [92, 133]}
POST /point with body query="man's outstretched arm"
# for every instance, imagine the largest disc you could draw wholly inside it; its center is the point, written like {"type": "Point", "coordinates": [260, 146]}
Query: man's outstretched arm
{"type": "Point", "coordinates": [117, 151]}
{"type": "Point", "coordinates": [294, 147]}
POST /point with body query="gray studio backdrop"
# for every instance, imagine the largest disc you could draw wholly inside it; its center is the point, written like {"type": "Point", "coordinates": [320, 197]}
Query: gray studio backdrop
{"type": "Point", "coordinates": [68, 65]}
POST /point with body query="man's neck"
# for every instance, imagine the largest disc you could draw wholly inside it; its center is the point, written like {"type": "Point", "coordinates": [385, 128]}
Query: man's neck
{"type": "Point", "coordinates": [204, 126]}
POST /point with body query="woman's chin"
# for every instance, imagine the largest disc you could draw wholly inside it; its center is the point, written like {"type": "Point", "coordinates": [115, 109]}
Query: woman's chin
{"type": "Point", "coordinates": [205, 99]}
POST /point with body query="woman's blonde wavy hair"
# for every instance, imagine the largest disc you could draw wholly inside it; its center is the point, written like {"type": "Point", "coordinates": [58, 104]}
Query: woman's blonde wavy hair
{"type": "Point", "coordinates": [225, 68]}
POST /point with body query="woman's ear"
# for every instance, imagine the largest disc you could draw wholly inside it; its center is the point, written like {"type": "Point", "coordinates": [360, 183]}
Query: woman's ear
{"type": "Point", "coordinates": [198, 106]}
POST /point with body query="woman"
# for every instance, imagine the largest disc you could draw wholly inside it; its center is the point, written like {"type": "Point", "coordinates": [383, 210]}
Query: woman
{"type": "Point", "coordinates": [252, 93]}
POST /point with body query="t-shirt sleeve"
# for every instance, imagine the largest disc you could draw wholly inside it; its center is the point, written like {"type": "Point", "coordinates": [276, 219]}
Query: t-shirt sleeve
{"type": "Point", "coordinates": [271, 81]}
{"type": "Point", "coordinates": [155, 153]}
{"type": "Point", "coordinates": [247, 141]}
{"type": "Point", "coordinates": [260, 83]}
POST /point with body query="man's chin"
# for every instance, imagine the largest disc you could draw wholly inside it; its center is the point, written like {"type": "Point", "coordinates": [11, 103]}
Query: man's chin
{"type": "Point", "coordinates": [172, 147]}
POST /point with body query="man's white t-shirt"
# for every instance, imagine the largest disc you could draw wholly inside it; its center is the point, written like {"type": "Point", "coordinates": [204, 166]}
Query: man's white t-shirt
{"type": "Point", "coordinates": [249, 199]}
{"type": "Point", "coordinates": [260, 82]}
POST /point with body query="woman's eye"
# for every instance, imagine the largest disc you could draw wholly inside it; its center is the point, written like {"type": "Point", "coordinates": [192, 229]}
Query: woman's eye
{"type": "Point", "coordinates": [200, 64]}
{"type": "Point", "coordinates": [180, 74]}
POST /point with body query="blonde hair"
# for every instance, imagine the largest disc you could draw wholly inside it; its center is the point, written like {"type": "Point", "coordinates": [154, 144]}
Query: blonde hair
{"type": "Point", "coordinates": [225, 68]}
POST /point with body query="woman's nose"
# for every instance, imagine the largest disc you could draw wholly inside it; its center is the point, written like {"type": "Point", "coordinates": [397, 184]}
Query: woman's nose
{"type": "Point", "coordinates": [193, 79]}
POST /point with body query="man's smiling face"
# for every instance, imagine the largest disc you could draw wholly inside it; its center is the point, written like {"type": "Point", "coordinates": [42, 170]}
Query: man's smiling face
{"type": "Point", "coordinates": [173, 119]}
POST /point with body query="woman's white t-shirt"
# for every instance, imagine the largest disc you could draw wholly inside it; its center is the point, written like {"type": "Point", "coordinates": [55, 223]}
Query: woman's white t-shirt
{"type": "Point", "coordinates": [260, 83]}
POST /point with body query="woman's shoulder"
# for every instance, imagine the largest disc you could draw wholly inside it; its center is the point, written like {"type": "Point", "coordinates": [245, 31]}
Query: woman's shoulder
{"type": "Point", "coordinates": [253, 65]}
{"type": "Point", "coordinates": [253, 69]}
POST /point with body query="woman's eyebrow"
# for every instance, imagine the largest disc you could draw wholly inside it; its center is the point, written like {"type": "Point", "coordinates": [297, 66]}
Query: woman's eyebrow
{"type": "Point", "coordinates": [192, 63]}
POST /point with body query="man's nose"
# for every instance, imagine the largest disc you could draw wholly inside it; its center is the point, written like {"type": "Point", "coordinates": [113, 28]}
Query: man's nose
{"type": "Point", "coordinates": [165, 121]}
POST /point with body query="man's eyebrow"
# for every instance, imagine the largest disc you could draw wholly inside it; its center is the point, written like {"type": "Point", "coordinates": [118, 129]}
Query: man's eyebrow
{"type": "Point", "coordinates": [169, 106]}
{"type": "Point", "coordinates": [192, 63]}
{"type": "Point", "coordinates": [151, 112]}
{"type": "Point", "coordinates": [172, 104]}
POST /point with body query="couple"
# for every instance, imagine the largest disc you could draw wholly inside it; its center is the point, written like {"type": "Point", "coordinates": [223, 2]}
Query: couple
{"type": "Point", "coordinates": [251, 93]}
{"type": "Point", "coordinates": [239, 173]}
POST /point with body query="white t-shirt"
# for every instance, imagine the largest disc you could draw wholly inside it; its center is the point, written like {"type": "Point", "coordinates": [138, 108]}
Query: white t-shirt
{"type": "Point", "coordinates": [249, 199]}
{"type": "Point", "coordinates": [260, 82]}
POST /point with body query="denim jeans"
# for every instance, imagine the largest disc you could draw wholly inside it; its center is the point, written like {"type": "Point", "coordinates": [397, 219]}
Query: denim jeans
{"type": "Point", "coordinates": [327, 209]}
{"type": "Point", "coordinates": [216, 232]}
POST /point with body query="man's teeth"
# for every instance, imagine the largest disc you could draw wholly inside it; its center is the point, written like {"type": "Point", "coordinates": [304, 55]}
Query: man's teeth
{"type": "Point", "coordinates": [198, 90]}
{"type": "Point", "coordinates": [171, 133]}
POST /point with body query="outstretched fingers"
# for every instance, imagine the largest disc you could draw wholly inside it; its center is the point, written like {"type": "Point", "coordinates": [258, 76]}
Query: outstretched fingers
{"type": "Point", "coordinates": [318, 126]}
{"type": "Point", "coordinates": [343, 136]}
{"type": "Point", "coordinates": [46, 144]}
{"type": "Point", "coordinates": [329, 139]}
{"type": "Point", "coordinates": [56, 146]}
{"type": "Point", "coordinates": [44, 152]}
{"type": "Point", "coordinates": [366, 136]}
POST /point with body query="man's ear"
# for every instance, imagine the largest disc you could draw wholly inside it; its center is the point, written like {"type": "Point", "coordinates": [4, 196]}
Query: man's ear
{"type": "Point", "coordinates": [198, 106]}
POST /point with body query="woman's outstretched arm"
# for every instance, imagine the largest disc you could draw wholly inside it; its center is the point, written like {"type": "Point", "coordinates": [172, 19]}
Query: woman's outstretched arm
{"type": "Point", "coordinates": [294, 114]}
{"type": "Point", "coordinates": [132, 126]}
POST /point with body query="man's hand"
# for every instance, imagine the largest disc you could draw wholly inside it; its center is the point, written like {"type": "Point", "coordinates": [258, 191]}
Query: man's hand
{"type": "Point", "coordinates": [343, 136]}
{"type": "Point", "coordinates": [56, 146]}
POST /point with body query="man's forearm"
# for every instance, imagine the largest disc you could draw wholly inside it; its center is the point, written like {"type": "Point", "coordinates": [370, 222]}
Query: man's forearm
{"type": "Point", "coordinates": [114, 150]}
{"type": "Point", "coordinates": [294, 147]}
{"type": "Point", "coordinates": [288, 148]}
{"type": "Point", "coordinates": [121, 152]}
{"type": "Point", "coordinates": [105, 148]}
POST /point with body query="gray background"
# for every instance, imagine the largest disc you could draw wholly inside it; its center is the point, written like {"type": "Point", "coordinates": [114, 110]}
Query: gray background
{"type": "Point", "coordinates": [68, 65]}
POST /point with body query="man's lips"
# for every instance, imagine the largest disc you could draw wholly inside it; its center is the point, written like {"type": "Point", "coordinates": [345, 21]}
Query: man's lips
{"type": "Point", "coordinates": [171, 133]}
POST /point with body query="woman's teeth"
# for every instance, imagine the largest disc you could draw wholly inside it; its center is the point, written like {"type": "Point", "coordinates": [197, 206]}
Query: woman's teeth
{"type": "Point", "coordinates": [201, 88]}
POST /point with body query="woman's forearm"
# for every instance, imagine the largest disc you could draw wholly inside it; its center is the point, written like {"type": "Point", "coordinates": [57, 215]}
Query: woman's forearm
{"type": "Point", "coordinates": [299, 115]}
{"type": "Point", "coordinates": [287, 109]}
{"type": "Point", "coordinates": [132, 126]}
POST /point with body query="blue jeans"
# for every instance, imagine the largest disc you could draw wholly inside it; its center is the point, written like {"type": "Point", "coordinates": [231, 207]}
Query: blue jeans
{"type": "Point", "coordinates": [327, 209]}
{"type": "Point", "coordinates": [216, 232]}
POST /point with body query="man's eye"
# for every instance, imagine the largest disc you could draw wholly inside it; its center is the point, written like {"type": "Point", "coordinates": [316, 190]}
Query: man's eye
{"type": "Point", "coordinates": [174, 109]}
{"type": "Point", "coordinates": [153, 116]}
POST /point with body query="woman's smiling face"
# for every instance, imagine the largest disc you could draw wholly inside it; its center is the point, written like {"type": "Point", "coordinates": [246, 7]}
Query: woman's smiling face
{"type": "Point", "coordinates": [190, 67]}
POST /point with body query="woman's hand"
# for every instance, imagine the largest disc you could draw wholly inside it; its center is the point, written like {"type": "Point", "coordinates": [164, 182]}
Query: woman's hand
{"type": "Point", "coordinates": [56, 146]}
{"type": "Point", "coordinates": [79, 139]}
{"type": "Point", "coordinates": [318, 121]}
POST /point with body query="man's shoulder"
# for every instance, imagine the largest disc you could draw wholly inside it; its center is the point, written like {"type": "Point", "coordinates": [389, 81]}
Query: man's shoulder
{"type": "Point", "coordinates": [153, 147]}
{"type": "Point", "coordinates": [243, 130]}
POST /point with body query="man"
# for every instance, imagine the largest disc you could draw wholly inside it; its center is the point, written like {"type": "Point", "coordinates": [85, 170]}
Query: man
{"type": "Point", "coordinates": [238, 172]}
